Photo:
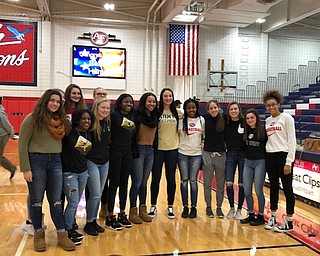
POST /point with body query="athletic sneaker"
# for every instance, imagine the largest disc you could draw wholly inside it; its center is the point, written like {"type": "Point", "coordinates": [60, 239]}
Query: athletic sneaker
{"type": "Point", "coordinates": [238, 215]}
{"type": "Point", "coordinates": [209, 212]}
{"type": "Point", "coordinates": [219, 213]}
{"type": "Point", "coordinates": [112, 223]}
{"type": "Point", "coordinates": [251, 217]}
{"type": "Point", "coordinates": [98, 227]}
{"type": "Point", "coordinates": [28, 227]}
{"type": "Point", "coordinates": [74, 237]}
{"type": "Point", "coordinates": [272, 222]}
{"type": "Point", "coordinates": [170, 213]}
{"type": "Point", "coordinates": [230, 214]}
{"type": "Point", "coordinates": [185, 212]}
{"type": "Point", "coordinates": [285, 227]}
{"type": "Point", "coordinates": [123, 220]}
{"type": "Point", "coordinates": [153, 211]}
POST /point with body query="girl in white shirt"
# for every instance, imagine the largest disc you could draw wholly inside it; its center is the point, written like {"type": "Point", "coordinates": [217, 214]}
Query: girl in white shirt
{"type": "Point", "coordinates": [191, 129]}
{"type": "Point", "coordinates": [281, 147]}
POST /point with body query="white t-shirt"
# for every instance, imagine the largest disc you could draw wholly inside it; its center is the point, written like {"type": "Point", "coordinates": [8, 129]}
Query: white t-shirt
{"type": "Point", "coordinates": [281, 136]}
{"type": "Point", "coordinates": [190, 145]}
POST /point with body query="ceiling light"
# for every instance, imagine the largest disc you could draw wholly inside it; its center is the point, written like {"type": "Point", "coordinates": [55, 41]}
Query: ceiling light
{"type": "Point", "coordinates": [185, 18]}
{"type": "Point", "coordinates": [109, 7]}
{"type": "Point", "coordinates": [260, 20]}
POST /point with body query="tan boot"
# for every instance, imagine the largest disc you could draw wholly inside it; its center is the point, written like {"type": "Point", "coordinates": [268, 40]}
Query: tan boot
{"type": "Point", "coordinates": [134, 217]}
{"type": "Point", "coordinates": [65, 242]}
{"type": "Point", "coordinates": [103, 211]}
{"type": "Point", "coordinates": [39, 243]}
{"type": "Point", "coordinates": [143, 213]}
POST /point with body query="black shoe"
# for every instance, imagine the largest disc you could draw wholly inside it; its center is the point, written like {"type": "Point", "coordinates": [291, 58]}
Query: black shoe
{"type": "Point", "coordinates": [112, 223]}
{"type": "Point", "coordinates": [185, 212]}
{"type": "Point", "coordinates": [77, 234]}
{"type": "Point", "coordinates": [122, 219]}
{"type": "Point", "coordinates": [193, 212]}
{"type": "Point", "coordinates": [258, 221]}
{"type": "Point", "coordinates": [74, 237]}
{"type": "Point", "coordinates": [249, 219]}
{"type": "Point", "coordinates": [90, 230]}
{"type": "Point", "coordinates": [97, 227]}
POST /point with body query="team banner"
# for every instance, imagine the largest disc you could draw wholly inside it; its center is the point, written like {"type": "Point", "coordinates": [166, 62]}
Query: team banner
{"type": "Point", "coordinates": [18, 53]}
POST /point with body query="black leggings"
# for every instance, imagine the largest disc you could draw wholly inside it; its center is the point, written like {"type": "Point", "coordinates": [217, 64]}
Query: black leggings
{"type": "Point", "coordinates": [275, 163]}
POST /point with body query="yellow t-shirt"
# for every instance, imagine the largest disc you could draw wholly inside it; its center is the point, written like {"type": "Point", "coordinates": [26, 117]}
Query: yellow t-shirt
{"type": "Point", "coordinates": [167, 131]}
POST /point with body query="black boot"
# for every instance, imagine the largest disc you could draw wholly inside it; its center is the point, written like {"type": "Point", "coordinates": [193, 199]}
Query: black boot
{"type": "Point", "coordinates": [249, 219]}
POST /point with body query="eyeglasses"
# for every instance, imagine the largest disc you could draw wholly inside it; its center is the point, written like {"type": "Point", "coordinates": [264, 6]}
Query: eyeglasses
{"type": "Point", "coordinates": [271, 105]}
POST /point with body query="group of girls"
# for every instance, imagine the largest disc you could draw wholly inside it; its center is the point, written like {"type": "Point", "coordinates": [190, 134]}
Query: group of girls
{"type": "Point", "coordinates": [66, 152]}
{"type": "Point", "coordinates": [230, 141]}
{"type": "Point", "coordinates": [244, 142]}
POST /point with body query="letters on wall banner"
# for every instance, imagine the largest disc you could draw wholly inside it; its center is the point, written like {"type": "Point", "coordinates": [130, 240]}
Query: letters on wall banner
{"type": "Point", "coordinates": [18, 53]}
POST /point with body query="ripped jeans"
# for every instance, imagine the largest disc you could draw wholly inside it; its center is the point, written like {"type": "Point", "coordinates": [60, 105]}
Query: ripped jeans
{"type": "Point", "coordinates": [47, 177]}
{"type": "Point", "coordinates": [73, 186]}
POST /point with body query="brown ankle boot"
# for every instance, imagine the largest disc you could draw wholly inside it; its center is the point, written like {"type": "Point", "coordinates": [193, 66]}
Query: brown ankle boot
{"type": "Point", "coordinates": [65, 242]}
{"type": "Point", "coordinates": [103, 211]}
{"type": "Point", "coordinates": [143, 213]}
{"type": "Point", "coordinates": [134, 217]}
{"type": "Point", "coordinates": [39, 243]}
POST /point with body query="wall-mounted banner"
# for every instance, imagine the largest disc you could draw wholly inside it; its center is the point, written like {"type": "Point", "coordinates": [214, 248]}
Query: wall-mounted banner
{"type": "Point", "coordinates": [18, 53]}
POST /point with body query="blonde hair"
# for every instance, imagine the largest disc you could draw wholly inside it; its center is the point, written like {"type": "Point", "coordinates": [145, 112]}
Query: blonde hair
{"type": "Point", "coordinates": [96, 127]}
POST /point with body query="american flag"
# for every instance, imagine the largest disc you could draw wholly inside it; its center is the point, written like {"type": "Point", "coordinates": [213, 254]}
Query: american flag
{"type": "Point", "coordinates": [183, 50]}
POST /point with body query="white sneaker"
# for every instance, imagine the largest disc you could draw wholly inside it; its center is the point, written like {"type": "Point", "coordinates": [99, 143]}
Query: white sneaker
{"type": "Point", "coordinates": [230, 214]}
{"type": "Point", "coordinates": [170, 213]}
{"type": "Point", "coordinates": [153, 211]}
{"type": "Point", "coordinates": [238, 215]}
{"type": "Point", "coordinates": [272, 222]}
{"type": "Point", "coordinates": [28, 227]}
{"type": "Point", "coordinates": [285, 227]}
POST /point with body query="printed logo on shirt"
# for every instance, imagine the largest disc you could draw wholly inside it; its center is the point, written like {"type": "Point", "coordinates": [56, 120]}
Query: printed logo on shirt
{"type": "Point", "coordinates": [272, 130]}
{"type": "Point", "coordinates": [167, 118]}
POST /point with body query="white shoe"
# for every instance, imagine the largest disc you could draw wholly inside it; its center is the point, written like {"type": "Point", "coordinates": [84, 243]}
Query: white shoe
{"type": "Point", "coordinates": [238, 215]}
{"type": "Point", "coordinates": [230, 214]}
{"type": "Point", "coordinates": [28, 227]}
{"type": "Point", "coordinates": [272, 222]}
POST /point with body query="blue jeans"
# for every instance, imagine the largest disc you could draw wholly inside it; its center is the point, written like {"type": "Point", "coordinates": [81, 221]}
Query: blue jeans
{"type": "Point", "coordinates": [254, 171]}
{"type": "Point", "coordinates": [189, 168]}
{"type": "Point", "coordinates": [47, 177]}
{"type": "Point", "coordinates": [234, 158]}
{"type": "Point", "coordinates": [97, 176]}
{"type": "Point", "coordinates": [141, 171]}
{"type": "Point", "coordinates": [73, 186]}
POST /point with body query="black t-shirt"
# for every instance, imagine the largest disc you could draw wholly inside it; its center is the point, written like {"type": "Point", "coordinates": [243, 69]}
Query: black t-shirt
{"type": "Point", "coordinates": [99, 153]}
{"type": "Point", "coordinates": [234, 136]}
{"type": "Point", "coordinates": [122, 130]}
{"type": "Point", "coordinates": [72, 159]}
{"type": "Point", "coordinates": [255, 149]}
{"type": "Point", "coordinates": [214, 141]}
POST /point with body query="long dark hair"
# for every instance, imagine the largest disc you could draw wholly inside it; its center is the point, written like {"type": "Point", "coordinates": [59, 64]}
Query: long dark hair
{"type": "Point", "coordinates": [185, 118]}
{"type": "Point", "coordinates": [41, 114]}
{"type": "Point", "coordinates": [141, 110]}
{"type": "Point", "coordinates": [260, 131]}
{"type": "Point", "coordinates": [220, 125]}
{"type": "Point", "coordinates": [79, 105]}
{"type": "Point", "coordinates": [172, 105]}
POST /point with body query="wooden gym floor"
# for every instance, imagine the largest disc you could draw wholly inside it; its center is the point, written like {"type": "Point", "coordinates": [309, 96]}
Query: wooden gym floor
{"type": "Point", "coordinates": [200, 236]}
